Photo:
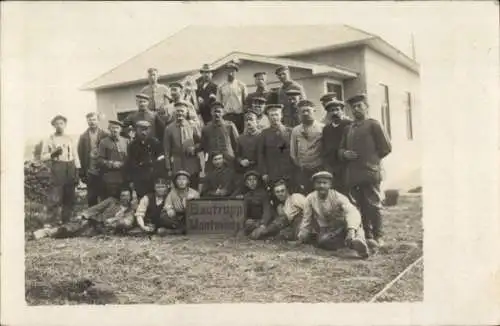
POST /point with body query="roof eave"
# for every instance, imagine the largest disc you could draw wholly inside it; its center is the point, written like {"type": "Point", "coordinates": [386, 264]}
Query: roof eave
{"type": "Point", "coordinates": [380, 45]}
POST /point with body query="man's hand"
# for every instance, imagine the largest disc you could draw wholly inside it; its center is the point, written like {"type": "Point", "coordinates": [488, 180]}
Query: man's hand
{"type": "Point", "coordinates": [190, 150]}
{"type": "Point", "coordinates": [244, 162]}
{"type": "Point", "coordinates": [350, 155]}
{"type": "Point", "coordinates": [349, 237]}
{"type": "Point", "coordinates": [57, 152]}
{"type": "Point", "coordinates": [170, 212]}
{"type": "Point", "coordinates": [117, 164]}
{"type": "Point", "coordinates": [265, 178]}
{"type": "Point", "coordinates": [148, 228]}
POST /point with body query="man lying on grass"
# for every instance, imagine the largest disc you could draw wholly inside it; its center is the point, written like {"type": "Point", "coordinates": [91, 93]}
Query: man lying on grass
{"type": "Point", "coordinates": [288, 210]}
{"type": "Point", "coordinates": [338, 219]}
{"type": "Point", "coordinates": [110, 215]}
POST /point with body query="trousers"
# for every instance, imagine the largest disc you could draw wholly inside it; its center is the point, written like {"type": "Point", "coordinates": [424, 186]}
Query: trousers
{"type": "Point", "coordinates": [95, 189]}
{"type": "Point", "coordinates": [369, 202]}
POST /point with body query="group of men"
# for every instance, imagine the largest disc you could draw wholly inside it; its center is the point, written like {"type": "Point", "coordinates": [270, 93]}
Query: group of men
{"type": "Point", "coordinates": [301, 179]}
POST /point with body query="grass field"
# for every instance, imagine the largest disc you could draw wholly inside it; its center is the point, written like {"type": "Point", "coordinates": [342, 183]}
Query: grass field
{"type": "Point", "coordinates": [217, 269]}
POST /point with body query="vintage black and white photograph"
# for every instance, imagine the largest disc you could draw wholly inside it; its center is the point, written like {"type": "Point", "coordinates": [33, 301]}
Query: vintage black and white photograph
{"type": "Point", "coordinates": [227, 163]}
{"type": "Point", "coordinates": [207, 153]}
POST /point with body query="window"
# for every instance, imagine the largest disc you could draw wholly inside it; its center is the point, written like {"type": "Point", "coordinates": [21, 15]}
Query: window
{"type": "Point", "coordinates": [335, 88]}
{"type": "Point", "coordinates": [386, 109]}
{"type": "Point", "coordinates": [409, 117]}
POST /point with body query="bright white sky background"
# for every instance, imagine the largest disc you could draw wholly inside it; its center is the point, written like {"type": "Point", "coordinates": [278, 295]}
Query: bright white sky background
{"type": "Point", "coordinates": [60, 46]}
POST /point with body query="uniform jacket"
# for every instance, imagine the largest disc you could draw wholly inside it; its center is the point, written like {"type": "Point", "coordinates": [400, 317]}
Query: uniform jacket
{"type": "Point", "coordinates": [111, 151]}
{"type": "Point", "coordinates": [248, 148]}
{"type": "Point", "coordinates": [223, 138]}
{"type": "Point", "coordinates": [144, 159]}
{"type": "Point", "coordinates": [257, 203]}
{"type": "Point", "coordinates": [158, 95]}
{"type": "Point", "coordinates": [330, 144]}
{"type": "Point", "coordinates": [223, 178]}
{"type": "Point", "coordinates": [157, 124]}
{"type": "Point", "coordinates": [369, 140]}
{"type": "Point", "coordinates": [84, 148]}
{"type": "Point", "coordinates": [209, 95]}
{"type": "Point", "coordinates": [175, 148]}
{"type": "Point", "coordinates": [270, 96]}
{"type": "Point", "coordinates": [289, 115]}
{"type": "Point", "coordinates": [274, 153]}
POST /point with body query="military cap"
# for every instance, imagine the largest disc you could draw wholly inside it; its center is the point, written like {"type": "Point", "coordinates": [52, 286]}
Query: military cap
{"type": "Point", "coordinates": [176, 85]}
{"type": "Point", "coordinates": [274, 107]}
{"type": "Point", "coordinates": [322, 175]}
{"type": "Point", "coordinates": [333, 103]}
{"type": "Point", "coordinates": [142, 96]}
{"type": "Point", "coordinates": [115, 122]}
{"type": "Point", "coordinates": [206, 68]}
{"type": "Point", "coordinates": [259, 73]}
{"type": "Point", "coordinates": [280, 69]}
{"type": "Point", "coordinates": [293, 91]}
{"type": "Point", "coordinates": [280, 182]}
{"type": "Point", "coordinates": [58, 117]}
{"type": "Point", "coordinates": [161, 180]}
{"type": "Point", "coordinates": [251, 172]}
{"type": "Point", "coordinates": [259, 99]}
{"type": "Point", "coordinates": [183, 104]}
{"type": "Point", "coordinates": [143, 124]}
{"type": "Point", "coordinates": [328, 97]}
{"type": "Point", "coordinates": [182, 172]}
{"type": "Point", "coordinates": [249, 113]}
{"type": "Point", "coordinates": [303, 103]}
{"type": "Point", "coordinates": [357, 98]}
{"type": "Point", "coordinates": [232, 65]}
{"type": "Point", "coordinates": [216, 105]}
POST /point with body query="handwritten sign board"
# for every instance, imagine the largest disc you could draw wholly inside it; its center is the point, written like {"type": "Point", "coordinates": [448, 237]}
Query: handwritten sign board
{"type": "Point", "coordinates": [214, 215]}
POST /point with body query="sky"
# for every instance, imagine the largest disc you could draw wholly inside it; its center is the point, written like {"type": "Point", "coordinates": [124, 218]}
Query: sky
{"type": "Point", "coordinates": [51, 49]}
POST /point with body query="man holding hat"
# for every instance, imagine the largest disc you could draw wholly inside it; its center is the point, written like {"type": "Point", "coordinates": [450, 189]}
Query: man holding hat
{"type": "Point", "coordinates": [157, 93]}
{"type": "Point", "coordinates": [232, 94]}
{"type": "Point", "coordinates": [206, 92]}
{"type": "Point", "coordinates": [88, 151]}
{"type": "Point", "coordinates": [262, 90]}
{"type": "Point", "coordinates": [181, 143]}
{"type": "Point", "coordinates": [112, 158]}
{"type": "Point", "coordinates": [61, 151]}
{"type": "Point", "coordinates": [144, 114]}
{"type": "Point", "coordinates": [283, 74]}
{"type": "Point", "coordinates": [291, 116]}
{"type": "Point", "coordinates": [305, 146]}
{"type": "Point", "coordinates": [337, 219]}
{"type": "Point", "coordinates": [144, 159]}
{"type": "Point", "coordinates": [363, 147]}
{"type": "Point", "coordinates": [330, 140]}
{"type": "Point", "coordinates": [274, 161]}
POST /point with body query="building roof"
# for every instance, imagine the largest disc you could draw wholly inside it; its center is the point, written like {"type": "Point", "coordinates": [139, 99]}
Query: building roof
{"type": "Point", "coordinates": [187, 50]}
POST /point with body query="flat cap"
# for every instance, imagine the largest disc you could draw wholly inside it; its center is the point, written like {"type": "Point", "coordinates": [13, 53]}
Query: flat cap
{"type": "Point", "coordinates": [232, 65]}
{"type": "Point", "coordinates": [328, 97]}
{"type": "Point", "coordinates": [270, 107]}
{"type": "Point", "coordinates": [176, 85]}
{"type": "Point", "coordinates": [251, 172]}
{"type": "Point", "coordinates": [249, 113]}
{"type": "Point", "coordinates": [322, 175]}
{"type": "Point", "coordinates": [161, 181]}
{"type": "Point", "coordinates": [143, 124]}
{"type": "Point", "coordinates": [142, 96]}
{"type": "Point", "coordinates": [181, 104]}
{"type": "Point", "coordinates": [280, 69]}
{"type": "Point", "coordinates": [206, 68]}
{"type": "Point", "coordinates": [115, 122]}
{"type": "Point", "coordinates": [182, 172]}
{"type": "Point", "coordinates": [58, 117]}
{"type": "Point", "coordinates": [303, 103]}
{"type": "Point", "coordinates": [357, 98]}
{"type": "Point", "coordinates": [333, 103]}
{"type": "Point", "coordinates": [217, 105]}
{"type": "Point", "coordinates": [259, 98]}
{"type": "Point", "coordinates": [259, 73]}
{"type": "Point", "coordinates": [293, 92]}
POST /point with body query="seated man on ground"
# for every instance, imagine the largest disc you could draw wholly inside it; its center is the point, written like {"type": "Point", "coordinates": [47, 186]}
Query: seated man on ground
{"type": "Point", "coordinates": [257, 204]}
{"type": "Point", "coordinates": [173, 216]}
{"type": "Point", "coordinates": [338, 219]}
{"type": "Point", "coordinates": [288, 210]}
{"type": "Point", "coordinates": [148, 214]}
{"type": "Point", "coordinates": [109, 215]}
{"type": "Point", "coordinates": [220, 181]}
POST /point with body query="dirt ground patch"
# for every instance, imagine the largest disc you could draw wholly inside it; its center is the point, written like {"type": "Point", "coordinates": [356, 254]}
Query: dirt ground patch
{"type": "Point", "coordinates": [217, 269]}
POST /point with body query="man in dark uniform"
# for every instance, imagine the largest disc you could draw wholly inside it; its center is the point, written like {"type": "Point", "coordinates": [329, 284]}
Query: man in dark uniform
{"type": "Point", "coordinates": [292, 118]}
{"type": "Point", "coordinates": [274, 161]}
{"type": "Point", "coordinates": [363, 147]}
{"type": "Point", "coordinates": [331, 138]}
{"type": "Point", "coordinates": [144, 114]}
{"type": "Point", "coordinates": [158, 94]}
{"type": "Point", "coordinates": [262, 90]}
{"type": "Point", "coordinates": [283, 74]}
{"type": "Point", "coordinates": [206, 92]}
{"type": "Point", "coordinates": [144, 160]}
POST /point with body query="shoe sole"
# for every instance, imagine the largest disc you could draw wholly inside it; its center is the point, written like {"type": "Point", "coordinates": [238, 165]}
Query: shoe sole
{"type": "Point", "coordinates": [361, 248]}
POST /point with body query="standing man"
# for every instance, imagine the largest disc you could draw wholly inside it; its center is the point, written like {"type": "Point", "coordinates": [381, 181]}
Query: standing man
{"type": "Point", "coordinates": [247, 150]}
{"type": "Point", "coordinates": [283, 74]}
{"type": "Point", "coordinates": [157, 93]}
{"type": "Point", "coordinates": [206, 93]}
{"type": "Point", "coordinates": [60, 150]}
{"type": "Point", "coordinates": [258, 108]}
{"type": "Point", "coordinates": [88, 152]}
{"type": "Point", "coordinates": [274, 159]}
{"type": "Point", "coordinates": [292, 117]}
{"type": "Point", "coordinates": [232, 94]}
{"type": "Point", "coordinates": [182, 143]}
{"type": "Point", "coordinates": [219, 136]}
{"type": "Point", "coordinates": [331, 138]}
{"type": "Point", "coordinates": [144, 114]}
{"type": "Point", "coordinates": [262, 90]}
{"type": "Point", "coordinates": [112, 158]}
{"type": "Point", "coordinates": [176, 92]}
{"type": "Point", "coordinates": [144, 160]}
{"type": "Point", "coordinates": [305, 146]}
{"type": "Point", "coordinates": [363, 147]}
